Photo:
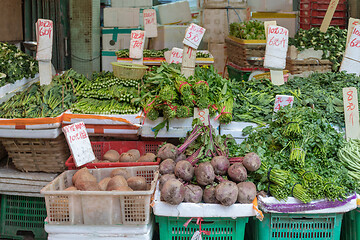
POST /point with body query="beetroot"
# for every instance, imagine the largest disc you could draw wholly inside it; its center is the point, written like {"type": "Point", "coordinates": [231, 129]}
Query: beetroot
{"type": "Point", "coordinates": [180, 157]}
{"type": "Point", "coordinates": [184, 170]}
{"type": "Point", "coordinates": [226, 193]}
{"type": "Point", "coordinates": [168, 151]}
{"type": "Point", "coordinates": [247, 192]}
{"type": "Point", "coordinates": [237, 172]}
{"type": "Point", "coordinates": [251, 162]}
{"type": "Point", "coordinates": [193, 193]}
{"type": "Point", "coordinates": [204, 174]}
{"type": "Point", "coordinates": [167, 166]}
{"type": "Point", "coordinates": [220, 164]}
{"type": "Point", "coordinates": [173, 192]}
{"type": "Point", "coordinates": [164, 179]}
{"type": "Point", "coordinates": [209, 195]}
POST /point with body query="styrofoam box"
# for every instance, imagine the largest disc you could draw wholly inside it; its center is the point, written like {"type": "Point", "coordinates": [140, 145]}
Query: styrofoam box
{"type": "Point", "coordinates": [30, 133]}
{"type": "Point", "coordinates": [99, 207]}
{"type": "Point", "coordinates": [162, 208]}
{"type": "Point", "coordinates": [107, 57]}
{"type": "Point", "coordinates": [218, 50]}
{"type": "Point", "coordinates": [122, 17]}
{"type": "Point", "coordinates": [115, 39]}
{"type": "Point", "coordinates": [235, 128]}
{"type": "Point", "coordinates": [9, 90]}
{"type": "Point", "coordinates": [269, 5]}
{"type": "Point", "coordinates": [132, 118]}
{"type": "Point", "coordinates": [174, 13]}
{"type": "Point", "coordinates": [222, 3]}
{"type": "Point", "coordinates": [178, 127]}
{"type": "Point", "coordinates": [168, 37]}
{"type": "Point", "coordinates": [131, 4]}
{"type": "Point", "coordinates": [78, 232]}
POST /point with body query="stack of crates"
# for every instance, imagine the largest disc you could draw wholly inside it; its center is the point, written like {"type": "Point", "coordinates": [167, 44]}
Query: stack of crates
{"type": "Point", "coordinates": [312, 13]}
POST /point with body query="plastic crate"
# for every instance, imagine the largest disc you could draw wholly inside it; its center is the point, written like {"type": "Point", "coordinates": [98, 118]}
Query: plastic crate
{"type": "Point", "coordinates": [321, 13]}
{"type": "Point", "coordinates": [22, 215]}
{"type": "Point", "coordinates": [282, 226]}
{"type": "Point", "coordinates": [242, 73]}
{"type": "Point", "coordinates": [99, 207]}
{"type": "Point", "coordinates": [220, 228]}
{"type": "Point", "coordinates": [350, 228]}
{"type": "Point", "coordinates": [100, 148]}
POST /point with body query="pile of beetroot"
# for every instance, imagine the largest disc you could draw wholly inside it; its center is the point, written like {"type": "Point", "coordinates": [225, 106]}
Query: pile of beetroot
{"type": "Point", "coordinates": [213, 181]}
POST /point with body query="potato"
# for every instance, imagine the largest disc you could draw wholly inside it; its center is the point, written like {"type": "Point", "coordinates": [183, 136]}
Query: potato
{"type": "Point", "coordinates": [115, 182]}
{"type": "Point", "coordinates": [127, 157]}
{"type": "Point", "coordinates": [72, 188]}
{"type": "Point", "coordinates": [87, 185]}
{"type": "Point", "coordinates": [147, 157]}
{"type": "Point", "coordinates": [86, 177]}
{"type": "Point", "coordinates": [112, 156]}
{"type": "Point", "coordinates": [137, 183]}
{"type": "Point", "coordinates": [120, 172]}
{"type": "Point", "coordinates": [123, 189]}
{"type": "Point", "coordinates": [79, 172]}
{"type": "Point", "coordinates": [135, 153]}
{"type": "Point", "coordinates": [103, 183]}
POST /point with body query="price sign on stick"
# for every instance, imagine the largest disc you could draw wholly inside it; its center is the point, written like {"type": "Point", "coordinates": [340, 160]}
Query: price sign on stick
{"type": "Point", "coordinates": [194, 35]}
{"type": "Point", "coordinates": [176, 55]}
{"type": "Point", "coordinates": [202, 115]}
{"type": "Point", "coordinates": [352, 23]}
{"type": "Point", "coordinates": [137, 44]}
{"type": "Point", "coordinates": [79, 143]}
{"type": "Point", "coordinates": [351, 110]}
{"type": "Point", "coordinates": [267, 24]}
{"type": "Point", "coordinates": [150, 23]}
{"type": "Point", "coordinates": [44, 37]}
{"type": "Point", "coordinates": [329, 15]}
{"type": "Point", "coordinates": [188, 61]}
{"type": "Point", "coordinates": [282, 101]}
{"type": "Point", "coordinates": [351, 60]}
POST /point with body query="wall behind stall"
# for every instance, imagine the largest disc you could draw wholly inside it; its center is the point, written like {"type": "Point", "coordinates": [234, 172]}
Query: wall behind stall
{"type": "Point", "coordinates": [11, 28]}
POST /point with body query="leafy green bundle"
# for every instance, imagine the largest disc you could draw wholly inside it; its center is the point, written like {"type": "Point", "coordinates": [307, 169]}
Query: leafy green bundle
{"type": "Point", "coordinates": [250, 30]}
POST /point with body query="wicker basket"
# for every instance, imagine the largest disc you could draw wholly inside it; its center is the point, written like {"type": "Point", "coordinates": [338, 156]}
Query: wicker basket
{"type": "Point", "coordinates": [128, 70]}
{"type": "Point", "coordinates": [306, 65]}
{"type": "Point", "coordinates": [38, 155]}
{"type": "Point", "coordinates": [245, 53]}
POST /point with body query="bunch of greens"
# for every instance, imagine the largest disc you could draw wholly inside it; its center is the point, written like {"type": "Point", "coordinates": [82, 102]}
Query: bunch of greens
{"type": "Point", "coordinates": [250, 30]}
{"type": "Point", "coordinates": [298, 152]}
{"type": "Point", "coordinates": [332, 43]}
{"type": "Point", "coordinates": [15, 64]}
{"type": "Point", "coordinates": [150, 53]}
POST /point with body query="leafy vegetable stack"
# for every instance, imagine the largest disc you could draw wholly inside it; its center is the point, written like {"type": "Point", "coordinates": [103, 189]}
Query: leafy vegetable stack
{"type": "Point", "coordinates": [251, 30]}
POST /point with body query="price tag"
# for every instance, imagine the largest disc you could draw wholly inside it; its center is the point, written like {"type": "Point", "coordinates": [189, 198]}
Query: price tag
{"type": "Point", "coordinates": [202, 114]}
{"type": "Point", "coordinates": [248, 14]}
{"type": "Point", "coordinates": [352, 23]}
{"type": "Point", "coordinates": [188, 61]}
{"type": "Point", "coordinates": [267, 24]}
{"type": "Point", "coordinates": [351, 60]}
{"type": "Point", "coordinates": [329, 15]}
{"type": "Point", "coordinates": [79, 143]}
{"type": "Point", "coordinates": [137, 44]}
{"type": "Point", "coordinates": [276, 47]}
{"type": "Point", "coordinates": [150, 23]}
{"type": "Point", "coordinates": [176, 55]}
{"type": "Point", "coordinates": [44, 36]}
{"type": "Point", "coordinates": [282, 101]}
{"type": "Point", "coordinates": [194, 35]}
{"type": "Point", "coordinates": [351, 110]}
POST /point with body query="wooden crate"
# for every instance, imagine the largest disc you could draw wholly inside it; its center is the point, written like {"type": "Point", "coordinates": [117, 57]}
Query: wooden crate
{"type": "Point", "coordinates": [38, 155]}
{"type": "Point", "coordinates": [239, 51]}
{"type": "Point", "coordinates": [306, 65]}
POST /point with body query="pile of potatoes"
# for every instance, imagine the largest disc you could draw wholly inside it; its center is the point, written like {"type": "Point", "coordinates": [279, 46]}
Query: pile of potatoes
{"type": "Point", "coordinates": [133, 155]}
{"type": "Point", "coordinates": [119, 180]}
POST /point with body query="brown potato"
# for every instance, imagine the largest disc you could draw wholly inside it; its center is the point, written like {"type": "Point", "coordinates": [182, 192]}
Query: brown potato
{"type": "Point", "coordinates": [103, 183]}
{"type": "Point", "coordinates": [87, 185]}
{"type": "Point", "coordinates": [147, 157]}
{"type": "Point", "coordinates": [79, 172]}
{"type": "Point", "coordinates": [115, 182]}
{"type": "Point", "coordinates": [122, 188]}
{"type": "Point", "coordinates": [127, 157]}
{"type": "Point", "coordinates": [135, 153]}
{"type": "Point", "coordinates": [137, 183]}
{"type": "Point", "coordinates": [87, 177]}
{"type": "Point", "coordinates": [120, 172]}
{"type": "Point", "coordinates": [72, 188]}
{"type": "Point", "coordinates": [112, 156]}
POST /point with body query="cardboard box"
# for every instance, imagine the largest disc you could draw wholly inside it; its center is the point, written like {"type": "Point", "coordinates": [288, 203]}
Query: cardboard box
{"type": "Point", "coordinates": [218, 50]}
{"type": "Point", "coordinates": [116, 38]}
{"type": "Point", "coordinates": [216, 22]}
{"type": "Point", "coordinates": [173, 13]}
{"type": "Point", "coordinates": [288, 20]}
{"type": "Point", "coordinates": [122, 17]}
{"type": "Point", "coordinates": [11, 22]}
{"type": "Point", "coordinates": [222, 3]}
{"type": "Point", "coordinates": [107, 57]}
{"type": "Point", "coordinates": [168, 37]}
{"type": "Point", "coordinates": [131, 4]}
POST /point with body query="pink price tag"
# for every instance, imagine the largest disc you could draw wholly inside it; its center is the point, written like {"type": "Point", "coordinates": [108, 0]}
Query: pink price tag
{"type": "Point", "coordinates": [176, 55]}
{"type": "Point", "coordinates": [44, 35]}
{"type": "Point", "coordinates": [194, 35]}
{"type": "Point", "coordinates": [137, 44]}
{"type": "Point", "coordinates": [282, 101]}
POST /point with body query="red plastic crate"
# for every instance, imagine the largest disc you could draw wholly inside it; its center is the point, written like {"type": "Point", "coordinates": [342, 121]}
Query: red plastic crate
{"type": "Point", "coordinates": [317, 5]}
{"type": "Point", "coordinates": [334, 21]}
{"type": "Point", "coordinates": [100, 148]}
{"type": "Point", "coordinates": [321, 13]}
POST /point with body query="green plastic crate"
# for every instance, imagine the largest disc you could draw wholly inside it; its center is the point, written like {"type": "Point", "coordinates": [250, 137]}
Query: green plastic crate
{"type": "Point", "coordinates": [238, 74]}
{"type": "Point", "coordinates": [220, 228]}
{"type": "Point", "coordinates": [350, 229]}
{"type": "Point", "coordinates": [282, 226]}
{"type": "Point", "coordinates": [21, 215]}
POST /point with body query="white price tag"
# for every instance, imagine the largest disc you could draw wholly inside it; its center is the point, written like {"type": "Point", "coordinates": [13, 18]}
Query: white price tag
{"type": "Point", "coordinates": [351, 110]}
{"type": "Point", "coordinates": [196, 236]}
{"type": "Point", "coordinates": [276, 47]}
{"type": "Point", "coordinates": [352, 23]}
{"type": "Point", "coordinates": [44, 35]}
{"type": "Point", "coordinates": [282, 101]}
{"type": "Point", "coordinates": [194, 35]}
{"type": "Point", "coordinates": [150, 23]}
{"type": "Point", "coordinates": [351, 60]}
{"type": "Point", "coordinates": [137, 44]}
{"type": "Point", "coordinates": [176, 55]}
{"type": "Point", "coordinates": [202, 114]}
{"type": "Point", "coordinates": [79, 143]}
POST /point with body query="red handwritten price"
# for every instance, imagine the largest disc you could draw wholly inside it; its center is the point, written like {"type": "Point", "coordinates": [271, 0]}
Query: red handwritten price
{"type": "Point", "coordinates": [282, 101]}
{"type": "Point", "coordinates": [137, 44]}
{"type": "Point", "coordinates": [274, 41]}
{"type": "Point", "coordinates": [150, 23]}
{"type": "Point", "coordinates": [194, 35]}
{"type": "Point", "coordinates": [45, 27]}
{"type": "Point", "coordinates": [176, 55]}
{"type": "Point", "coordinates": [350, 106]}
{"type": "Point", "coordinates": [351, 110]}
{"type": "Point", "coordinates": [202, 115]}
{"type": "Point", "coordinates": [278, 30]}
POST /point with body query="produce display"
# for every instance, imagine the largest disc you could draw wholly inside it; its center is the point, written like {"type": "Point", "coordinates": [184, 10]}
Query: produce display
{"type": "Point", "coordinates": [332, 43]}
{"type": "Point", "coordinates": [133, 155]}
{"type": "Point", "coordinates": [149, 53]}
{"type": "Point", "coordinates": [15, 64]}
{"type": "Point", "coordinates": [249, 30]}
{"type": "Point", "coordinates": [349, 155]}
{"type": "Point", "coordinates": [199, 170]}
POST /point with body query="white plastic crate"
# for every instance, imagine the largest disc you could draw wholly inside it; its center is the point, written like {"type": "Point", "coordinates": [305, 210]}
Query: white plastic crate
{"type": "Point", "coordinates": [99, 207]}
